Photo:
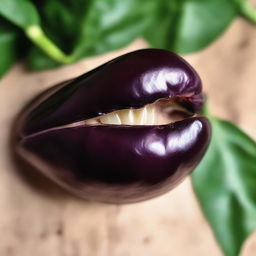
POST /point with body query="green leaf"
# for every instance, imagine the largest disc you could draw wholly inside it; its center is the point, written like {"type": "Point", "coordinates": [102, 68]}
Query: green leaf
{"type": "Point", "coordinates": [20, 12]}
{"type": "Point", "coordinates": [23, 14]}
{"type": "Point", "coordinates": [111, 24]}
{"type": "Point", "coordinates": [8, 46]}
{"type": "Point", "coordinates": [95, 27]}
{"type": "Point", "coordinates": [38, 60]}
{"type": "Point", "coordinates": [224, 183]}
{"type": "Point", "coordinates": [61, 20]}
{"type": "Point", "coordinates": [190, 25]}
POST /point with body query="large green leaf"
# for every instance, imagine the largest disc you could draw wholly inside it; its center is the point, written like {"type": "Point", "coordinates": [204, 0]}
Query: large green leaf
{"type": "Point", "coordinates": [20, 12]}
{"type": "Point", "coordinates": [224, 183]}
{"type": "Point", "coordinates": [111, 24]}
{"type": "Point", "coordinates": [186, 26]}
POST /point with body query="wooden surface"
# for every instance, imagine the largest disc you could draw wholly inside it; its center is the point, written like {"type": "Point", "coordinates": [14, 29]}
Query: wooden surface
{"type": "Point", "coordinates": [38, 218]}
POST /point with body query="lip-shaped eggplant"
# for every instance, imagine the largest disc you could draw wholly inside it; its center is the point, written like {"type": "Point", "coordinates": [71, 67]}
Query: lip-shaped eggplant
{"type": "Point", "coordinates": [72, 136]}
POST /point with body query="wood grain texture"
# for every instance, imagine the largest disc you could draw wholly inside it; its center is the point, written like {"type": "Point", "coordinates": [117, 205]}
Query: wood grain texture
{"type": "Point", "coordinates": [38, 218]}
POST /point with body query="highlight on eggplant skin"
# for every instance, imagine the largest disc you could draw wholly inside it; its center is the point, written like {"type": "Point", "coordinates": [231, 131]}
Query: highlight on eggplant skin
{"type": "Point", "coordinates": [124, 132]}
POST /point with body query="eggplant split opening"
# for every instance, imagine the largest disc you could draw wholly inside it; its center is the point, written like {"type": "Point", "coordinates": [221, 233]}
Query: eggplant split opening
{"type": "Point", "coordinates": [159, 113]}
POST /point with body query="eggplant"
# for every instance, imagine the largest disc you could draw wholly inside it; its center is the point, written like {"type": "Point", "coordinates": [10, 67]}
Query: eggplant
{"type": "Point", "coordinates": [127, 131]}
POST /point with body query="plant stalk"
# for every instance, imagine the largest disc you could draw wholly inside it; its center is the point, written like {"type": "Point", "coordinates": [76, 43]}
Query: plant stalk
{"type": "Point", "coordinates": [36, 34]}
{"type": "Point", "coordinates": [248, 11]}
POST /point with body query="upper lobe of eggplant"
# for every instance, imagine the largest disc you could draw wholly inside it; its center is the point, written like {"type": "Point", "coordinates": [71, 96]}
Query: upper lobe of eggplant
{"type": "Point", "coordinates": [132, 80]}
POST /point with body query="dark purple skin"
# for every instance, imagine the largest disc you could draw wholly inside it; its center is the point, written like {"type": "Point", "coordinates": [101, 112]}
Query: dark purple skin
{"type": "Point", "coordinates": [118, 163]}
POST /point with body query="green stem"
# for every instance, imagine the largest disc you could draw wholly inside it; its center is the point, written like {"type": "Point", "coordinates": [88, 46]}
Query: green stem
{"type": "Point", "coordinates": [36, 34]}
{"type": "Point", "coordinates": [248, 11]}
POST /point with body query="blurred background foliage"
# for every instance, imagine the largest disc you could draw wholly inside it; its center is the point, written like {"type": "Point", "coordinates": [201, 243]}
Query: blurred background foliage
{"type": "Point", "coordinates": [48, 33]}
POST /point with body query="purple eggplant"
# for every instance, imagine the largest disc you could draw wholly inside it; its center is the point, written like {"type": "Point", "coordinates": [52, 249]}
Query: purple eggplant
{"type": "Point", "coordinates": [124, 132]}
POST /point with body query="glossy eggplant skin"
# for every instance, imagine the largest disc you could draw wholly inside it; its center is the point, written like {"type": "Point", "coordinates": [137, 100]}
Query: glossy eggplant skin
{"type": "Point", "coordinates": [117, 163]}
{"type": "Point", "coordinates": [131, 80]}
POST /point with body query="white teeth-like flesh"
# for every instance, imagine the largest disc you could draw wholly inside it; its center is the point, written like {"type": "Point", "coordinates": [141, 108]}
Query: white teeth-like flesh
{"type": "Point", "coordinates": [111, 118]}
{"type": "Point", "coordinates": [92, 121]}
{"type": "Point", "coordinates": [151, 114]}
{"type": "Point", "coordinates": [151, 117]}
{"type": "Point", "coordinates": [126, 116]}
{"type": "Point", "coordinates": [140, 116]}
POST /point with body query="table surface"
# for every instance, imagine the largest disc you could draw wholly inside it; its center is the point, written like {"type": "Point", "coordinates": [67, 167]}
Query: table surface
{"type": "Point", "coordinates": [38, 218]}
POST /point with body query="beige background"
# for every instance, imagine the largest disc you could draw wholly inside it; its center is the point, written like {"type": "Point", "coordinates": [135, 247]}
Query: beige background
{"type": "Point", "coordinates": [38, 218]}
